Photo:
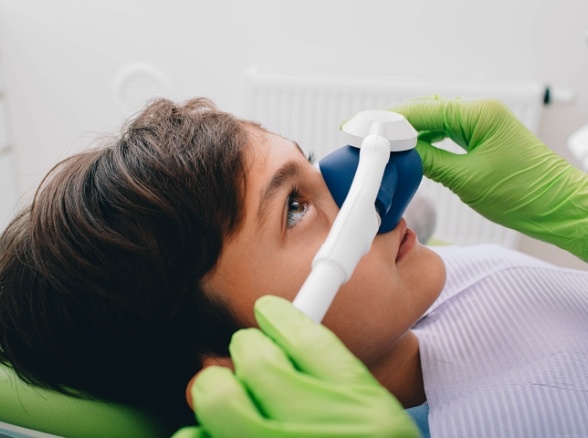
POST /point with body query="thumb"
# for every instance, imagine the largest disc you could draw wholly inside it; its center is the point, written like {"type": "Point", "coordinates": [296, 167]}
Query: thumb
{"type": "Point", "coordinates": [439, 165]}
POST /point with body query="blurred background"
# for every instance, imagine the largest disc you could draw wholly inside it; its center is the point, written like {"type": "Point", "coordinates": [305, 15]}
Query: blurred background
{"type": "Point", "coordinates": [74, 71]}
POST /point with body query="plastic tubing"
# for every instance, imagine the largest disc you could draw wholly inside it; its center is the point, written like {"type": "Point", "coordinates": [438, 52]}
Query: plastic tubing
{"type": "Point", "coordinates": [353, 230]}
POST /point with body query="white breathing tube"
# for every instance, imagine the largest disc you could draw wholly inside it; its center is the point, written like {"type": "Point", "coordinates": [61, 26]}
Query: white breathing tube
{"type": "Point", "coordinates": [357, 223]}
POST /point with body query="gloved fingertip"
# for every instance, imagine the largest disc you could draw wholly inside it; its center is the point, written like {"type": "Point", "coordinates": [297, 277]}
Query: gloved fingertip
{"type": "Point", "coordinates": [424, 148]}
{"type": "Point", "coordinates": [213, 387]}
{"type": "Point", "coordinates": [244, 336]}
{"type": "Point", "coordinates": [190, 432]}
{"type": "Point", "coordinates": [272, 309]}
{"type": "Point", "coordinates": [432, 136]}
{"type": "Point", "coordinates": [438, 164]}
{"type": "Point", "coordinates": [223, 404]}
{"type": "Point", "coordinates": [268, 301]}
{"type": "Point", "coordinates": [208, 378]}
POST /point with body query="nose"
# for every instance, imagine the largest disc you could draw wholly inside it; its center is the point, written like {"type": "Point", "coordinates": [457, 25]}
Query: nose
{"type": "Point", "coordinates": [401, 179]}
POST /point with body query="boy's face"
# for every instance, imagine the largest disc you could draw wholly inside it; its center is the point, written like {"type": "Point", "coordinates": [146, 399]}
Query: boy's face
{"type": "Point", "coordinates": [288, 214]}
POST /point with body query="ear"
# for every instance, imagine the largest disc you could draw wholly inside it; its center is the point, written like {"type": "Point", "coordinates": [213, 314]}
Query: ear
{"type": "Point", "coordinates": [208, 361]}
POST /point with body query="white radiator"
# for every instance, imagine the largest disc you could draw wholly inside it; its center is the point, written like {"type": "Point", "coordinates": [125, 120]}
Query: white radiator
{"type": "Point", "coordinates": [309, 110]}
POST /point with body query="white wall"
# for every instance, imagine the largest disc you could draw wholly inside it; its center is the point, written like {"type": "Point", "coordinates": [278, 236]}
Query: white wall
{"type": "Point", "coordinates": [62, 58]}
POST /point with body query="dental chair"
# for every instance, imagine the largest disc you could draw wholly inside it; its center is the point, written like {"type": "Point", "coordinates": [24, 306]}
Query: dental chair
{"type": "Point", "coordinates": [28, 412]}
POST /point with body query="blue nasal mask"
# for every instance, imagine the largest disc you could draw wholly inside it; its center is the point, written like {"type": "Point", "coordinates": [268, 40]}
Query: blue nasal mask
{"type": "Point", "coordinates": [401, 178]}
{"type": "Point", "coordinates": [372, 179]}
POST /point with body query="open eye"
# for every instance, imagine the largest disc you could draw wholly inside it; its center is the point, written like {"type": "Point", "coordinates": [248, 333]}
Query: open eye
{"type": "Point", "coordinates": [296, 209]}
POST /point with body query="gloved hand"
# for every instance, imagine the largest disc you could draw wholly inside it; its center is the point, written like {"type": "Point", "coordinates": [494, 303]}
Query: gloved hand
{"type": "Point", "coordinates": [508, 175]}
{"type": "Point", "coordinates": [293, 378]}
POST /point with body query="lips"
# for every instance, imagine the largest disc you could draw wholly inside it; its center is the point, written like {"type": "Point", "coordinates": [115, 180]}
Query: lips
{"type": "Point", "coordinates": [407, 240]}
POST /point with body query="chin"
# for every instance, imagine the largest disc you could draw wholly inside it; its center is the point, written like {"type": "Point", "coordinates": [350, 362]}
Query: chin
{"type": "Point", "coordinates": [437, 270]}
{"type": "Point", "coordinates": [430, 270]}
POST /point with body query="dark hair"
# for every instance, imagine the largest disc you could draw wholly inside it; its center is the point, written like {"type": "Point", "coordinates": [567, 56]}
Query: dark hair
{"type": "Point", "coordinates": [100, 277]}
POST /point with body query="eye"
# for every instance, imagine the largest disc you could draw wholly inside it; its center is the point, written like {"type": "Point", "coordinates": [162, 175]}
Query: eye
{"type": "Point", "coordinates": [296, 209]}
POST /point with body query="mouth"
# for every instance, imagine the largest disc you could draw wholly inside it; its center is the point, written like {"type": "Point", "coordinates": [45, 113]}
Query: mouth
{"type": "Point", "coordinates": [407, 241]}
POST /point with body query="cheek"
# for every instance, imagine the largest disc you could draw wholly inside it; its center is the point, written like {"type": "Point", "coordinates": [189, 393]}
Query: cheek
{"type": "Point", "coordinates": [382, 300]}
{"type": "Point", "coordinates": [267, 271]}
{"type": "Point", "coordinates": [281, 268]}
{"type": "Point", "coordinates": [366, 303]}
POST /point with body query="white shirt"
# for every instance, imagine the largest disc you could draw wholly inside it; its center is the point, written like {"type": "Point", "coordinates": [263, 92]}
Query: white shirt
{"type": "Point", "coordinates": [504, 349]}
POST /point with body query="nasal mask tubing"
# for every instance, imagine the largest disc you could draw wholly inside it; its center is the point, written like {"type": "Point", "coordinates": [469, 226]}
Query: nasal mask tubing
{"type": "Point", "coordinates": [372, 180]}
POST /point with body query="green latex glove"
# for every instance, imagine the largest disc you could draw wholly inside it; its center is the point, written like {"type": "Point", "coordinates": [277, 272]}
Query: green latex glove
{"type": "Point", "coordinates": [293, 378]}
{"type": "Point", "coordinates": [508, 175]}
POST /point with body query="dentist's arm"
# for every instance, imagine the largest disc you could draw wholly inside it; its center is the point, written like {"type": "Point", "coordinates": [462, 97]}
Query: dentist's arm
{"type": "Point", "coordinates": [293, 378]}
{"type": "Point", "coordinates": [508, 175]}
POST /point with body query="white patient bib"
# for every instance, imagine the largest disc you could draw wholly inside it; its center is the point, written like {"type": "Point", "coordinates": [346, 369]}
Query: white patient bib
{"type": "Point", "coordinates": [504, 349]}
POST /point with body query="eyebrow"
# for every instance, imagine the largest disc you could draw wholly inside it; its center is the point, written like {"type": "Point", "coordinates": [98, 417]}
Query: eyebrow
{"type": "Point", "coordinates": [285, 173]}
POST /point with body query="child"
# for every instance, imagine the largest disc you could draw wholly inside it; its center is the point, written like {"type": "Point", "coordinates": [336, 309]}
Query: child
{"type": "Point", "coordinates": [136, 262]}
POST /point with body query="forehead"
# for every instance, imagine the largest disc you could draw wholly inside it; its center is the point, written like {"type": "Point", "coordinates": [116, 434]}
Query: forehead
{"type": "Point", "coordinates": [267, 151]}
{"type": "Point", "coordinates": [261, 142]}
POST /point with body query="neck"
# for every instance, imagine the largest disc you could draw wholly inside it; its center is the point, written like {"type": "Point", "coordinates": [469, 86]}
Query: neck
{"type": "Point", "coordinates": [401, 373]}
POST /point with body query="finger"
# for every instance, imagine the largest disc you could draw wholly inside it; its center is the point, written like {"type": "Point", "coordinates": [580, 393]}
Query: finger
{"type": "Point", "coordinates": [312, 347]}
{"type": "Point", "coordinates": [438, 164]}
{"type": "Point", "coordinates": [432, 136]}
{"type": "Point", "coordinates": [274, 383]}
{"type": "Point", "coordinates": [264, 368]}
{"type": "Point", "coordinates": [191, 432]}
{"type": "Point", "coordinates": [424, 114]}
{"type": "Point", "coordinates": [455, 118]}
{"type": "Point", "coordinates": [207, 362]}
{"type": "Point", "coordinates": [285, 394]}
{"type": "Point", "coordinates": [224, 405]}
{"type": "Point", "coordinates": [226, 410]}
